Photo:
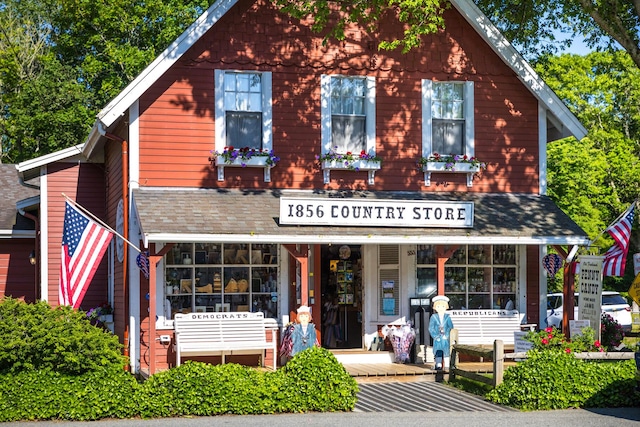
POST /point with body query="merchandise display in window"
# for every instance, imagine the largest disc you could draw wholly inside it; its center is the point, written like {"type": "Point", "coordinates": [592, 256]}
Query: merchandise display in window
{"type": "Point", "coordinates": [210, 277]}
{"type": "Point", "coordinates": [476, 276]}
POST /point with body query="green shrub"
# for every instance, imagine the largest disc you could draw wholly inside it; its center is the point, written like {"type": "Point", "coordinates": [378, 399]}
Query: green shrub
{"type": "Point", "coordinates": [196, 388]}
{"type": "Point", "coordinates": [554, 379]}
{"type": "Point", "coordinates": [553, 339]}
{"type": "Point", "coordinates": [35, 336]}
{"type": "Point", "coordinates": [45, 395]}
{"type": "Point", "coordinates": [55, 365]}
{"type": "Point", "coordinates": [314, 380]}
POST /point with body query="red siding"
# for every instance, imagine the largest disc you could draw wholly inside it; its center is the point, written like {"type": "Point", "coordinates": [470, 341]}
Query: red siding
{"type": "Point", "coordinates": [113, 166]}
{"type": "Point", "coordinates": [83, 183]}
{"type": "Point", "coordinates": [177, 113]}
{"type": "Point", "coordinates": [17, 275]}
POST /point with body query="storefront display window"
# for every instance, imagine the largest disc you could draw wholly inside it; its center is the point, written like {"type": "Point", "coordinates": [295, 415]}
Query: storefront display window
{"type": "Point", "coordinates": [476, 276]}
{"type": "Point", "coordinates": [214, 277]}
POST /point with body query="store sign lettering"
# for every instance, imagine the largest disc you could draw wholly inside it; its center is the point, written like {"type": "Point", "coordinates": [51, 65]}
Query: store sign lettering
{"type": "Point", "coordinates": [222, 316]}
{"type": "Point", "coordinates": [390, 213]}
{"type": "Point", "coordinates": [482, 313]}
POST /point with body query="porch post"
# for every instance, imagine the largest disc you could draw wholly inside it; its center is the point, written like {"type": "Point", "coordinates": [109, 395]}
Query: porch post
{"type": "Point", "coordinates": [443, 253]}
{"type": "Point", "coordinates": [154, 259]}
{"type": "Point", "coordinates": [301, 254]}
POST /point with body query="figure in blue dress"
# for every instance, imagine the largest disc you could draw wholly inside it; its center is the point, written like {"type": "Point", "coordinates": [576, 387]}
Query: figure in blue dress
{"type": "Point", "coordinates": [440, 326]}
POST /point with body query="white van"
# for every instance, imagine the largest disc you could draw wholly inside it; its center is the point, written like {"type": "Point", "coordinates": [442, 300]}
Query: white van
{"type": "Point", "coordinates": [612, 303]}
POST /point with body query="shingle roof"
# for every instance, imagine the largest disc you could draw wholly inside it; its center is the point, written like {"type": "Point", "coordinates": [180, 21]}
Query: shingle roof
{"type": "Point", "coordinates": [182, 214]}
{"type": "Point", "coordinates": [12, 192]}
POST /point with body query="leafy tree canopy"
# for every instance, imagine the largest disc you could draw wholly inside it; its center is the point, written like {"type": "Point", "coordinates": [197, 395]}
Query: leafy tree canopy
{"type": "Point", "coordinates": [532, 25]}
{"type": "Point", "coordinates": [594, 180]}
{"type": "Point", "coordinates": [63, 60]}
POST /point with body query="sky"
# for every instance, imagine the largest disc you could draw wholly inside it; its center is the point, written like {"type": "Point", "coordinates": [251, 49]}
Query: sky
{"type": "Point", "coordinates": [578, 47]}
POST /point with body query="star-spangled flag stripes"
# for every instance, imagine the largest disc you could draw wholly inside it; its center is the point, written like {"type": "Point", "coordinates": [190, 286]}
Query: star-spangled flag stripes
{"type": "Point", "coordinates": [615, 258]}
{"type": "Point", "coordinates": [84, 243]}
{"type": "Point", "coordinates": [142, 260]}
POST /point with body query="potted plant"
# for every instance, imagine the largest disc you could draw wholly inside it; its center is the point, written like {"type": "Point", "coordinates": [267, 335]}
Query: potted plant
{"type": "Point", "coordinates": [452, 163]}
{"type": "Point", "coordinates": [101, 315]}
{"type": "Point", "coordinates": [349, 161]}
{"type": "Point", "coordinates": [244, 157]}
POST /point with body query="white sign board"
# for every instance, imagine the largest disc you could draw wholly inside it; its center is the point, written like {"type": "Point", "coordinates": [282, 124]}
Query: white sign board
{"type": "Point", "coordinates": [520, 345]}
{"type": "Point", "coordinates": [636, 264]}
{"type": "Point", "coordinates": [375, 212]}
{"type": "Point", "coordinates": [590, 282]}
{"type": "Point", "coordinates": [576, 327]}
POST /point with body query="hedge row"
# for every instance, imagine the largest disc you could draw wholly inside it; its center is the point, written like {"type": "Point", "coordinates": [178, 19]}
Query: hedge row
{"type": "Point", "coordinates": [312, 381]}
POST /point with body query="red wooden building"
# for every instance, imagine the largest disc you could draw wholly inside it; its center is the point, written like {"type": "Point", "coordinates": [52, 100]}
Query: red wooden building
{"type": "Point", "coordinates": [368, 232]}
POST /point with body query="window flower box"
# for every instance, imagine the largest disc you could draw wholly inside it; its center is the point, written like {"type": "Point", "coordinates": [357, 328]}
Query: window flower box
{"type": "Point", "coordinates": [450, 164]}
{"type": "Point", "coordinates": [362, 162]}
{"type": "Point", "coordinates": [107, 321]}
{"type": "Point", "coordinates": [245, 158]}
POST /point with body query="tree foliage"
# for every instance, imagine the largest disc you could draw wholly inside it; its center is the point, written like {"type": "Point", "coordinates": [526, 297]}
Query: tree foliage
{"type": "Point", "coordinates": [532, 25]}
{"type": "Point", "coordinates": [419, 17]}
{"type": "Point", "coordinates": [596, 179]}
{"type": "Point", "coordinates": [63, 60]}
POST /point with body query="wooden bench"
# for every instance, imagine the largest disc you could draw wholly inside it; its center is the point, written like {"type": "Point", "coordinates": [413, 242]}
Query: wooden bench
{"type": "Point", "coordinates": [222, 334]}
{"type": "Point", "coordinates": [483, 327]}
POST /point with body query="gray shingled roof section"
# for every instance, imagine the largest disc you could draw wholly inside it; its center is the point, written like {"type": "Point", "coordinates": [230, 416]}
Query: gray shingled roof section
{"type": "Point", "coordinates": [12, 192]}
{"type": "Point", "coordinates": [211, 211]}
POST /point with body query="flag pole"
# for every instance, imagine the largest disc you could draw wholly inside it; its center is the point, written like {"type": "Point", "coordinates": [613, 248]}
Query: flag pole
{"type": "Point", "coordinates": [96, 219]}
{"type": "Point", "coordinates": [616, 220]}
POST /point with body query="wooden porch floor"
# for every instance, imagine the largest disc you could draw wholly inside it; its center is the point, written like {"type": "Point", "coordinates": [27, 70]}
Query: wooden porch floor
{"type": "Point", "coordinates": [396, 371]}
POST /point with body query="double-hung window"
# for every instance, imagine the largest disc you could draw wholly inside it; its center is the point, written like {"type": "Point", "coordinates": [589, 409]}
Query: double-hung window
{"type": "Point", "coordinates": [348, 114]}
{"type": "Point", "coordinates": [243, 110]}
{"type": "Point", "coordinates": [447, 117]}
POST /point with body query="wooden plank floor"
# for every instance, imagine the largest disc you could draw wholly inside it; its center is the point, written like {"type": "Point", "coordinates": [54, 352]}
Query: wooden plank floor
{"type": "Point", "coordinates": [401, 370]}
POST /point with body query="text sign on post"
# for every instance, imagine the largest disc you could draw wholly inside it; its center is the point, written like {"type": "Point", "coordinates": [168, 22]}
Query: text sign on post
{"type": "Point", "coordinates": [590, 299]}
{"type": "Point", "coordinates": [368, 213]}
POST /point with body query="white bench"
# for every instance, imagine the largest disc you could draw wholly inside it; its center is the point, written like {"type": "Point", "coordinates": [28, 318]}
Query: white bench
{"type": "Point", "coordinates": [222, 334]}
{"type": "Point", "coordinates": [483, 327]}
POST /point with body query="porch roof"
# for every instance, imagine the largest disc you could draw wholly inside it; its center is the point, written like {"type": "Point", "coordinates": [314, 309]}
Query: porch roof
{"type": "Point", "coordinates": [219, 215]}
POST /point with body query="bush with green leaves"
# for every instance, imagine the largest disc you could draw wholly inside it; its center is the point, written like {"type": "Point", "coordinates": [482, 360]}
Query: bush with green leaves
{"type": "Point", "coordinates": [314, 380]}
{"type": "Point", "coordinates": [45, 395]}
{"type": "Point", "coordinates": [35, 336]}
{"type": "Point", "coordinates": [196, 388]}
{"type": "Point", "coordinates": [55, 365]}
{"type": "Point", "coordinates": [553, 339]}
{"type": "Point", "coordinates": [555, 379]}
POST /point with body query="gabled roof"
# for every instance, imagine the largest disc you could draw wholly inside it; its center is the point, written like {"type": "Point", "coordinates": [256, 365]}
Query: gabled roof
{"type": "Point", "coordinates": [568, 123]}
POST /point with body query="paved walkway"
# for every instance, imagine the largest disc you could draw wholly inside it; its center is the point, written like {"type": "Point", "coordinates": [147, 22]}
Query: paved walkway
{"type": "Point", "coordinates": [419, 396]}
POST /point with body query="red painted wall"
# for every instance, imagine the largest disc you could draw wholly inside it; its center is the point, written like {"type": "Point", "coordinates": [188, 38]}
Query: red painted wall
{"type": "Point", "coordinates": [113, 172]}
{"type": "Point", "coordinates": [17, 275]}
{"type": "Point", "coordinates": [85, 184]}
{"type": "Point", "coordinates": [177, 113]}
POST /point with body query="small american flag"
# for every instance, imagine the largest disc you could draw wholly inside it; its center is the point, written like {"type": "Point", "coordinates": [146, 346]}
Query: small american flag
{"type": "Point", "coordinates": [84, 243]}
{"type": "Point", "coordinates": [143, 263]}
{"type": "Point", "coordinates": [615, 258]}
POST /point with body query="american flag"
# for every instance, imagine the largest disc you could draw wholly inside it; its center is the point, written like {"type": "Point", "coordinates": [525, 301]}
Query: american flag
{"type": "Point", "coordinates": [83, 245]}
{"type": "Point", "coordinates": [615, 258]}
{"type": "Point", "coordinates": [142, 260]}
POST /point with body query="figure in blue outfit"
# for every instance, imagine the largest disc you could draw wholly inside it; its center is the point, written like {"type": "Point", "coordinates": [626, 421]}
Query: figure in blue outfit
{"type": "Point", "coordinates": [303, 335]}
{"type": "Point", "coordinates": [440, 326]}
